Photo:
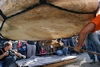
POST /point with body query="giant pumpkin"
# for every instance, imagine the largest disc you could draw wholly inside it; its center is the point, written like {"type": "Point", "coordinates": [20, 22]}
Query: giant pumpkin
{"type": "Point", "coordinates": [44, 19]}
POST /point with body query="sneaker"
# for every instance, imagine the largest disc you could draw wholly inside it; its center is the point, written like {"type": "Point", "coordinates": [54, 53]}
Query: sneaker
{"type": "Point", "coordinates": [92, 61]}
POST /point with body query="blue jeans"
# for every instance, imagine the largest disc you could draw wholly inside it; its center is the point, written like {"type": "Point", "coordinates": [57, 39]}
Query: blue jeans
{"type": "Point", "coordinates": [69, 42]}
{"type": "Point", "coordinates": [64, 51]}
{"type": "Point", "coordinates": [91, 47]}
{"type": "Point", "coordinates": [1, 63]}
{"type": "Point", "coordinates": [96, 44]}
{"type": "Point", "coordinates": [7, 61]}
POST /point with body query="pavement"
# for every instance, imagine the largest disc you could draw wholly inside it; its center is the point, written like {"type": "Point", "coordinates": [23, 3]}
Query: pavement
{"type": "Point", "coordinates": [83, 61]}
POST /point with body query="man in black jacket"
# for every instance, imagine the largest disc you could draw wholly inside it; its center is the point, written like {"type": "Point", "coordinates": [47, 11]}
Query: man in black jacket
{"type": "Point", "coordinates": [5, 57]}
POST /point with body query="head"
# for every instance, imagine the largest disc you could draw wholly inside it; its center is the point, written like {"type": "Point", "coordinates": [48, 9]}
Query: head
{"type": "Point", "coordinates": [42, 48]}
{"type": "Point", "coordinates": [8, 45]}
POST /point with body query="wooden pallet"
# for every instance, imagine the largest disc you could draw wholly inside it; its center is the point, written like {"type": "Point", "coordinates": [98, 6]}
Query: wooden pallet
{"type": "Point", "coordinates": [61, 63]}
{"type": "Point", "coordinates": [47, 61]}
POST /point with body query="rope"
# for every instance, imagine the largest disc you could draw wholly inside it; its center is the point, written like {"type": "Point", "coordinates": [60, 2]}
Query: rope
{"type": "Point", "coordinates": [71, 10]}
{"type": "Point", "coordinates": [5, 18]}
{"type": "Point", "coordinates": [2, 25]}
{"type": "Point", "coordinates": [2, 15]}
{"type": "Point", "coordinates": [91, 52]}
{"type": "Point", "coordinates": [43, 1]}
{"type": "Point", "coordinates": [29, 8]}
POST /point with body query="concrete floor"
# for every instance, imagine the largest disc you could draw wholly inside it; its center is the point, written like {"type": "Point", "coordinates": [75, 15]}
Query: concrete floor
{"type": "Point", "coordinates": [83, 61]}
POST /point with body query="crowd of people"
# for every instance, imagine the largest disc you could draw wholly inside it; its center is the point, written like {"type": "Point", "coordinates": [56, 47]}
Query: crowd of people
{"type": "Point", "coordinates": [15, 50]}
{"type": "Point", "coordinates": [58, 47]}
{"type": "Point", "coordinates": [26, 49]}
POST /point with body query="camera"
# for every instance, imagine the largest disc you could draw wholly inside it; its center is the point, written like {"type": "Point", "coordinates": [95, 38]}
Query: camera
{"type": "Point", "coordinates": [11, 53]}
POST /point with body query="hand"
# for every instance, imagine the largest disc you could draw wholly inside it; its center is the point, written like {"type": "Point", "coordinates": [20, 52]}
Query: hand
{"type": "Point", "coordinates": [77, 48]}
{"type": "Point", "coordinates": [17, 54]}
{"type": "Point", "coordinates": [6, 53]}
{"type": "Point", "coordinates": [23, 56]}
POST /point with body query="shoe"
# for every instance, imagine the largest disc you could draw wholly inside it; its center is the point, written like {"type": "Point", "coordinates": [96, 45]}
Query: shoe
{"type": "Point", "coordinates": [92, 61]}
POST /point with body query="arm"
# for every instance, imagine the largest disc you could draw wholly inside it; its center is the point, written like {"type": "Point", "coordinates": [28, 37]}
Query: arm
{"type": "Point", "coordinates": [20, 55]}
{"type": "Point", "coordinates": [3, 55]}
{"type": "Point", "coordinates": [26, 42]}
{"type": "Point", "coordinates": [83, 34]}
